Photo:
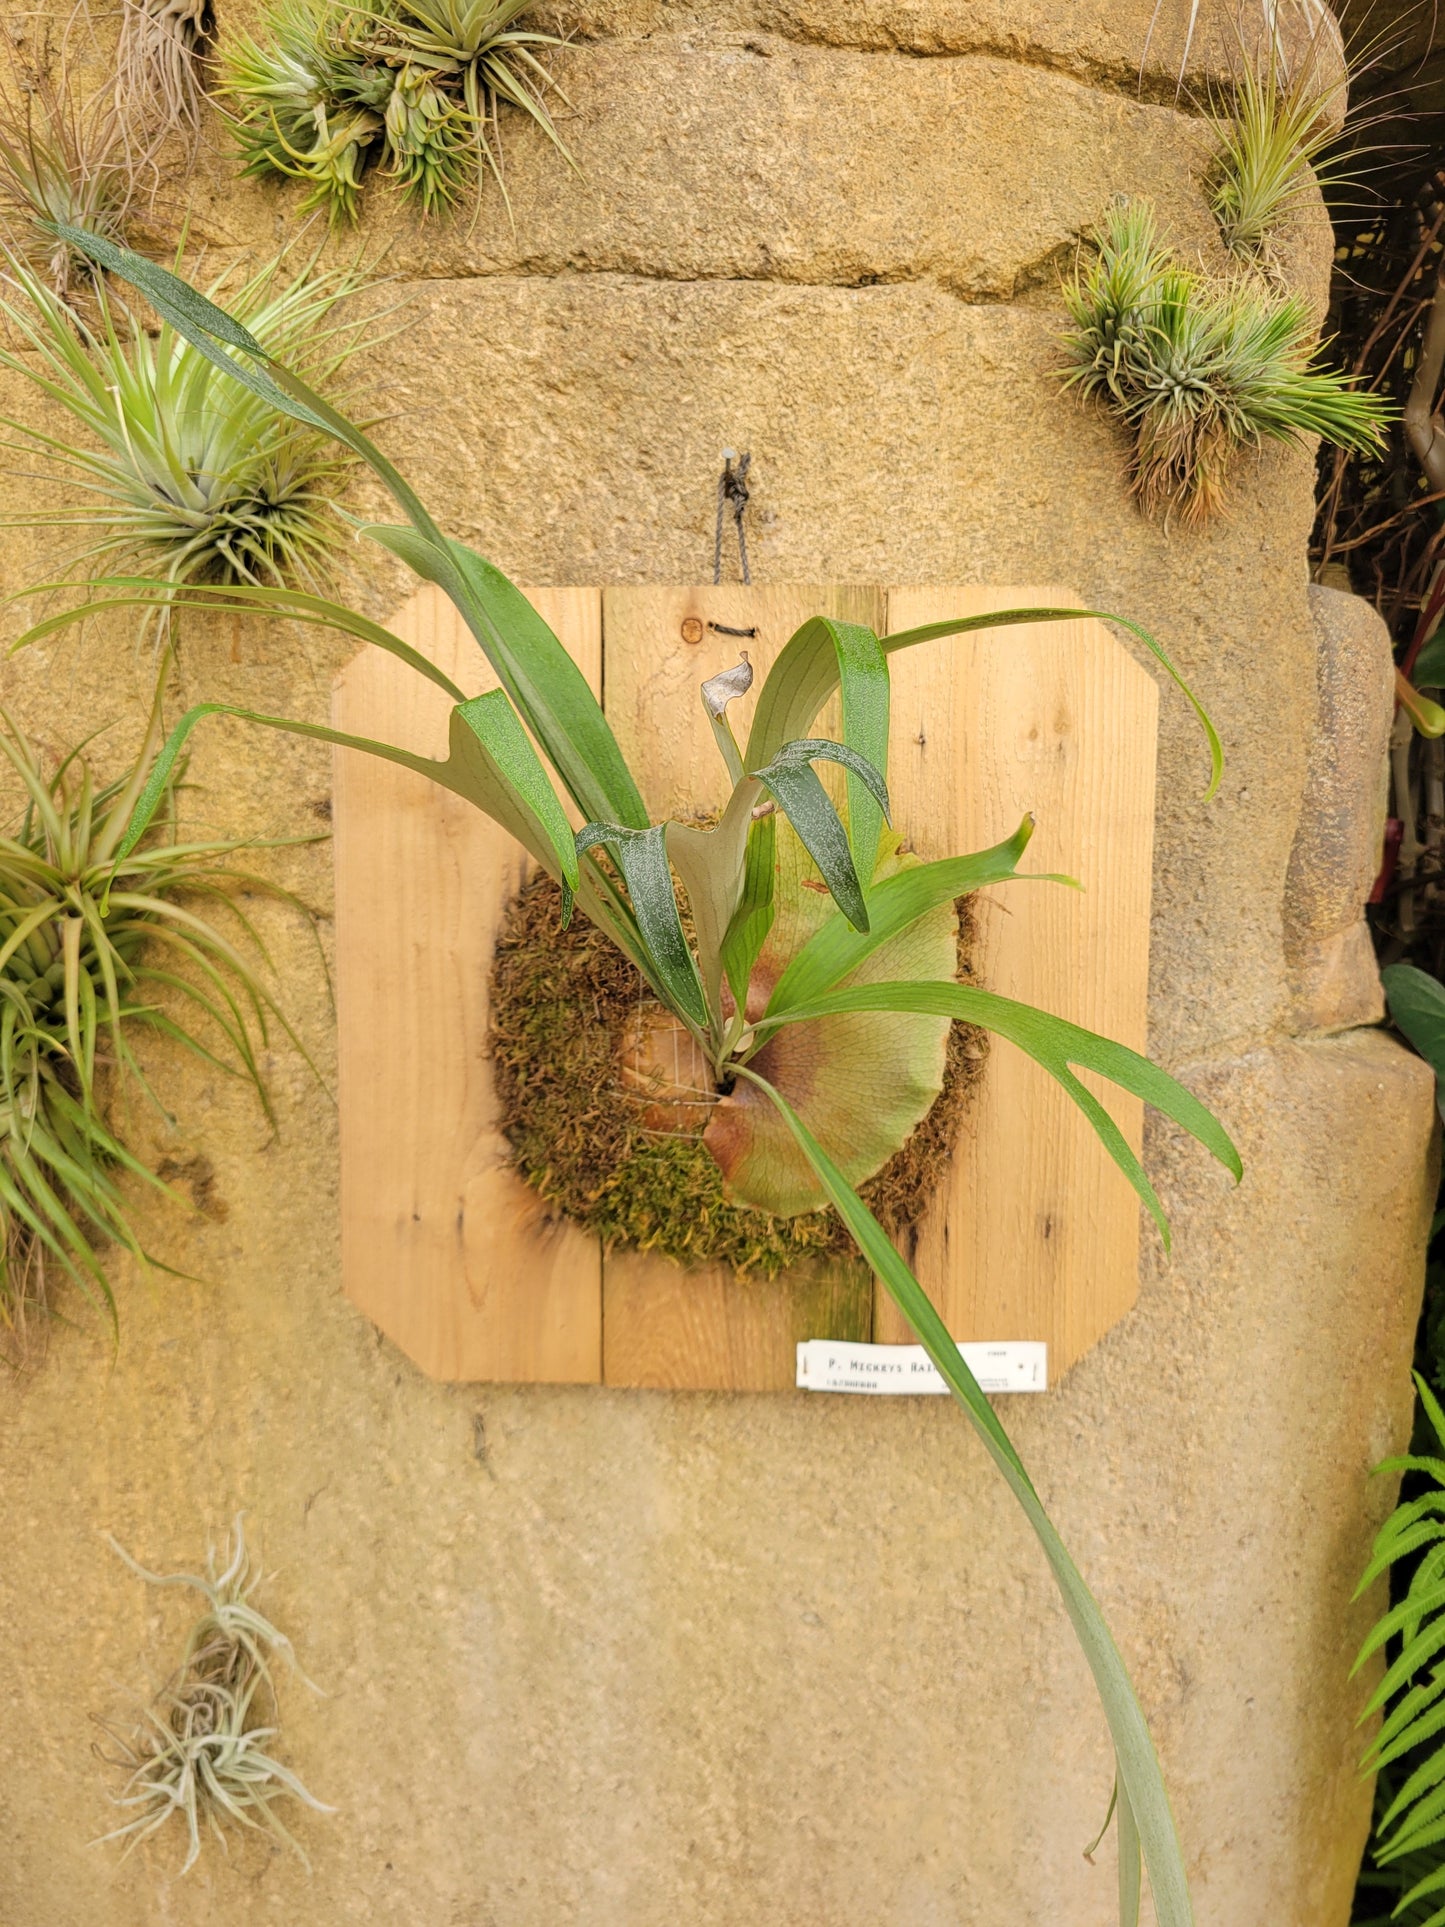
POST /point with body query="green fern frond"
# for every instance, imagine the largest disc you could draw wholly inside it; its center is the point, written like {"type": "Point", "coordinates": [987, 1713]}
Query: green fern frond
{"type": "Point", "coordinates": [1409, 1826]}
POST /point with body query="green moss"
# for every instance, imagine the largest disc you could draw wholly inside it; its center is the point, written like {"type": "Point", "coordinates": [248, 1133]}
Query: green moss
{"type": "Point", "coordinates": [560, 1002]}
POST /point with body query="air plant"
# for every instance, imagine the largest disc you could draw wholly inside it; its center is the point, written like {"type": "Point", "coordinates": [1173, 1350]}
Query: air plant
{"type": "Point", "coordinates": [1195, 370]}
{"type": "Point", "coordinates": [749, 1013]}
{"type": "Point", "coordinates": [201, 1753]}
{"type": "Point", "coordinates": [328, 89]}
{"type": "Point", "coordinates": [1273, 136]}
{"type": "Point", "coordinates": [59, 161]}
{"type": "Point", "coordinates": [184, 472]}
{"type": "Point", "coordinates": [95, 947]}
{"type": "Point", "coordinates": [311, 104]}
{"type": "Point", "coordinates": [158, 88]}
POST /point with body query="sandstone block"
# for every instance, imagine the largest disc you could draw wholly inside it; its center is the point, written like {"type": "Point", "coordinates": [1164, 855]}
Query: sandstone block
{"type": "Point", "coordinates": [1135, 44]}
{"type": "Point", "coordinates": [641, 1659]}
{"type": "Point", "coordinates": [780, 161]}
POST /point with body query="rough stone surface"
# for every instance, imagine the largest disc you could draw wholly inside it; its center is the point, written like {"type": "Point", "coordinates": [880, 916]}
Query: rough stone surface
{"type": "Point", "coordinates": [630, 1658]}
{"type": "Point", "coordinates": [1162, 46]}
{"type": "Point", "coordinates": [773, 161]}
{"type": "Point", "coordinates": [1337, 846]}
{"type": "Point", "coordinates": [640, 1659]}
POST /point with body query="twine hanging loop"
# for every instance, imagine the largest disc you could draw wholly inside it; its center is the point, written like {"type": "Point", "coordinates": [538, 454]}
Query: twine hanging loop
{"type": "Point", "coordinates": [732, 497]}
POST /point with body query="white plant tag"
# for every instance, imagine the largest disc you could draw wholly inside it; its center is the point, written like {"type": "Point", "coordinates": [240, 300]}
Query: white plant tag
{"type": "Point", "coordinates": [829, 1365]}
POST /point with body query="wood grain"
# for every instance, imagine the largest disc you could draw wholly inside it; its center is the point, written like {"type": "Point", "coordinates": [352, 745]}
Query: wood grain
{"type": "Point", "coordinates": [1036, 1234]}
{"type": "Point", "coordinates": [441, 1244]}
{"type": "Point", "coordinates": [661, 1325]}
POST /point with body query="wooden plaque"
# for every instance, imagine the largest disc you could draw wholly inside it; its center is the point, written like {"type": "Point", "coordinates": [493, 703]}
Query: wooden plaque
{"type": "Point", "coordinates": [1035, 1234]}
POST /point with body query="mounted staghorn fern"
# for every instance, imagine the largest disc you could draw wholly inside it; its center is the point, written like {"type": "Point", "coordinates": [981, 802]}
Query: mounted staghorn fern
{"type": "Point", "coordinates": [739, 1002]}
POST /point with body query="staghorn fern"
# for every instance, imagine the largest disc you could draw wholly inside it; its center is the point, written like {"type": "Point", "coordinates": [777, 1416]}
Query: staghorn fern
{"type": "Point", "coordinates": [201, 1754]}
{"type": "Point", "coordinates": [622, 868]}
{"type": "Point", "coordinates": [1197, 371]}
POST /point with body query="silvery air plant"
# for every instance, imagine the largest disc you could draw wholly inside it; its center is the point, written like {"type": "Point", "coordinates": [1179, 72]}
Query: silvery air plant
{"type": "Point", "coordinates": [764, 990]}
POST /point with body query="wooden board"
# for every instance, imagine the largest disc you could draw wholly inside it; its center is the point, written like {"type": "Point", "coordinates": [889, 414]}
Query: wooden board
{"type": "Point", "coordinates": [706, 1328]}
{"type": "Point", "coordinates": [441, 1243]}
{"type": "Point", "coordinates": [1036, 1234]}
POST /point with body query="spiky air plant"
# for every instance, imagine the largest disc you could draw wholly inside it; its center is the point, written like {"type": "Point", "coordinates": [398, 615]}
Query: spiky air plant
{"type": "Point", "coordinates": [93, 950]}
{"type": "Point", "coordinates": [330, 88]}
{"type": "Point", "coordinates": [202, 1755]}
{"type": "Point", "coordinates": [1197, 370]}
{"type": "Point", "coordinates": [311, 104]}
{"type": "Point", "coordinates": [478, 47]}
{"type": "Point", "coordinates": [810, 938]}
{"type": "Point", "coordinates": [1275, 133]}
{"type": "Point", "coordinates": [185, 473]}
{"type": "Point", "coordinates": [59, 161]}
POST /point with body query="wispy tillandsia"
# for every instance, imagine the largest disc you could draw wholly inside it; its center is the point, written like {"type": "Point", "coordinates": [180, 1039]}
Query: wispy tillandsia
{"type": "Point", "coordinates": [1198, 370]}
{"type": "Point", "coordinates": [202, 1752]}
{"type": "Point", "coordinates": [1313, 17]}
{"type": "Point", "coordinates": [59, 161]}
{"type": "Point", "coordinates": [158, 89]}
{"type": "Point", "coordinates": [811, 931]}
{"type": "Point", "coordinates": [183, 472]}
{"type": "Point", "coordinates": [332, 87]}
{"type": "Point", "coordinates": [1274, 132]}
{"type": "Point", "coordinates": [95, 948]}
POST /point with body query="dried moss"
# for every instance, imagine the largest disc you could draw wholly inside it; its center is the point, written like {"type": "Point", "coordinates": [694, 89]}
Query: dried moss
{"type": "Point", "coordinates": [560, 1002]}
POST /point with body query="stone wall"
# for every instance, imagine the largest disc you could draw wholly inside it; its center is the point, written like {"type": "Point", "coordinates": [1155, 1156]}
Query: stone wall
{"type": "Point", "coordinates": [638, 1659]}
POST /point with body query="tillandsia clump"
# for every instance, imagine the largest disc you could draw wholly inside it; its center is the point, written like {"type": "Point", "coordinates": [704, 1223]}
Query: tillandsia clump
{"type": "Point", "coordinates": [771, 979]}
{"type": "Point", "coordinates": [1196, 370]}
{"type": "Point", "coordinates": [59, 161]}
{"type": "Point", "coordinates": [1276, 134]}
{"type": "Point", "coordinates": [182, 473]}
{"type": "Point", "coordinates": [94, 948]}
{"type": "Point", "coordinates": [334, 88]}
{"type": "Point", "coordinates": [158, 88]}
{"type": "Point", "coordinates": [201, 1754]}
